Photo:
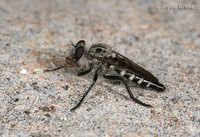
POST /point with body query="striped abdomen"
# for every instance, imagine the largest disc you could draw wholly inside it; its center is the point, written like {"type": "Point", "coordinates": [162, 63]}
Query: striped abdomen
{"type": "Point", "coordinates": [139, 80]}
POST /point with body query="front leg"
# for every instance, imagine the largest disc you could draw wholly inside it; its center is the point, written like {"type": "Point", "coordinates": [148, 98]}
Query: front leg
{"type": "Point", "coordinates": [48, 70]}
{"type": "Point", "coordinates": [84, 72]}
{"type": "Point", "coordinates": [128, 89]}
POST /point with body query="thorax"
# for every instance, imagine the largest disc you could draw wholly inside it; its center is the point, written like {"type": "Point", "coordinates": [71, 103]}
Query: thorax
{"type": "Point", "coordinates": [99, 52]}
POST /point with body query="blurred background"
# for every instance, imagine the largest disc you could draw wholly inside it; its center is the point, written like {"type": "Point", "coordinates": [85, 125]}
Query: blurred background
{"type": "Point", "coordinates": [161, 35]}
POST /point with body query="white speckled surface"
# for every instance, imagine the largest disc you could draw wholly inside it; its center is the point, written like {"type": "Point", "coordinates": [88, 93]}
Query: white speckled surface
{"type": "Point", "coordinates": [35, 34]}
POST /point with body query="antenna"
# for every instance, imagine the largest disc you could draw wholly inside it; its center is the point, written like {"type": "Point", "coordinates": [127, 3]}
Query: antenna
{"type": "Point", "coordinates": [72, 43]}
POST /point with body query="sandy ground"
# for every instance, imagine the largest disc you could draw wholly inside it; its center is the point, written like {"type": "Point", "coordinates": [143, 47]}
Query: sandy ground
{"type": "Point", "coordinates": [35, 35]}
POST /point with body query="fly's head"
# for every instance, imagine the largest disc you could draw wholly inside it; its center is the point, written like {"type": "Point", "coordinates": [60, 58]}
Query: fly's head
{"type": "Point", "coordinates": [79, 50]}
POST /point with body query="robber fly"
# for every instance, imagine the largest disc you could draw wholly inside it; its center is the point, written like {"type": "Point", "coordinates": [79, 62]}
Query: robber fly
{"type": "Point", "coordinates": [102, 59]}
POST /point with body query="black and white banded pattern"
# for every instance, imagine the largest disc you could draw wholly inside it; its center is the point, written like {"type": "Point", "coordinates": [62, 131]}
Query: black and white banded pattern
{"type": "Point", "coordinates": [139, 80]}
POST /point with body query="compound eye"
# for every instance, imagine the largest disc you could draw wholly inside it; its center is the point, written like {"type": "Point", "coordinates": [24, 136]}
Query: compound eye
{"type": "Point", "coordinates": [79, 52]}
{"type": "Point", "coordinates": [79, 49]}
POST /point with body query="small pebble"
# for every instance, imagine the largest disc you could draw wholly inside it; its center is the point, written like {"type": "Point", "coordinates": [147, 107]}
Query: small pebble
{"type": "Point", "coordinates": [23, 71]}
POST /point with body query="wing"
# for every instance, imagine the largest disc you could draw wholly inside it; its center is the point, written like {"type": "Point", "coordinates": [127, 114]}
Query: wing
{"type": "Point", "coordinates": [125, 63]}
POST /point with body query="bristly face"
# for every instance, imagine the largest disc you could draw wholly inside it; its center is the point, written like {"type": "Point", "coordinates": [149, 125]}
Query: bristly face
{"type": "Point", "coordinates": [79, 49]}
